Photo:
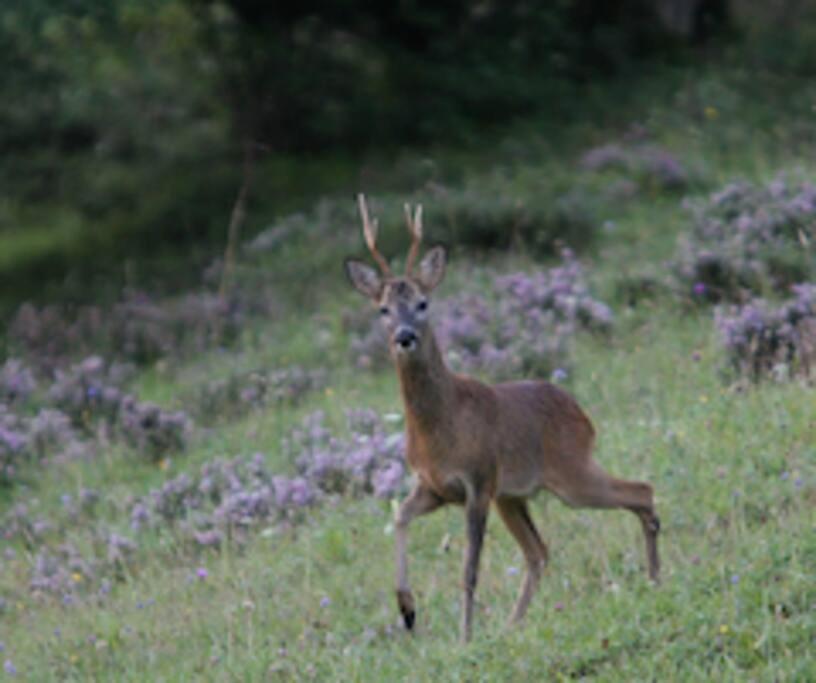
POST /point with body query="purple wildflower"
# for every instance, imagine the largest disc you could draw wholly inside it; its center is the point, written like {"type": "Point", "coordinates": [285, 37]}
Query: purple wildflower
{"type": "Point", "coordinates": [559, 375]}
{"type": "Point", "coordinates": [746, 238]}
{"type": "Point", "coordinates": [762, 340]}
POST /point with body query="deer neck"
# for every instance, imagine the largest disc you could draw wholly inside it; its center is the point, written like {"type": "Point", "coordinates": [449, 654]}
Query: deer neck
{"type": "Point", "coordinates": [427, 387]}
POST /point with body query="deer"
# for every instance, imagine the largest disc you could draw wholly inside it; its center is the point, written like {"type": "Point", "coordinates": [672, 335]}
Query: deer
{"type": "Point", "coordinates": [473, 445]}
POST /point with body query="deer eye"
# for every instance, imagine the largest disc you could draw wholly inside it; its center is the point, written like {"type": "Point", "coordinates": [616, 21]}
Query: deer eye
{"type": "Point", "coordinates": [422, 306]}
{"type": "Point", "coordinates": [384, 310]}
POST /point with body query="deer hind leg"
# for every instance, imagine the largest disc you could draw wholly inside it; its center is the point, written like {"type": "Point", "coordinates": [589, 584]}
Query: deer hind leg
{"type": "Point", "coordinates": [419, 502]}
{"type": "Point", "coordinates": [590, 486]}
{"type": "Point", "coordinates": [516, 517]}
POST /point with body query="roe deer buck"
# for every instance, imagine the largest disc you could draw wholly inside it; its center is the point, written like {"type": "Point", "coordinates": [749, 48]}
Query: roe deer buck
{"type": "Point", "coordinates": [470, 444]}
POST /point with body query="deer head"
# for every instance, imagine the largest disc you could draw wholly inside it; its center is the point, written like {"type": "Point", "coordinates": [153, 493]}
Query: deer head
{"type": "Point", "coordinates": [402, 302]}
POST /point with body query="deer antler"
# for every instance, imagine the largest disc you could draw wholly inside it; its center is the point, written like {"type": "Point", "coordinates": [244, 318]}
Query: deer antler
{"type": "Point", "coordinates": [415, 228]}
{"type": "Point", "coordinates": [370, 234]}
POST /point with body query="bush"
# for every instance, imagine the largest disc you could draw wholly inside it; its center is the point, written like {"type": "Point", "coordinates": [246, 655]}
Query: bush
{"type": "Point", "coordinates": [651, 167]}
{"type": "Point", "coordinates": [143, 329]}
{"type": "Point", "coordinates": [497, 213]}
{"type": "Point", "coordinates": [26, 440]}
{"type": "Point", "coordinates": [370, 460]}
{"type": "Point", "coordinates": [13, 445]}
{"type": "Point", "coordinates": [46, 337]}
{"type": "Point", "coordinates": [138, 328]}
{"type": "Point", "coordinates": [748, 239]}
{"type": "Point", "coordinates": [17, 381]}
{"type": "Point", "coordinates": [762, 340]}
{"type": "Point", "coordinates": [245, 391]}
{"type": "Point", "coordinates": [89, 390]}
{"type": "Point", "coordinates": [229, 497]}
{"type": "Point", "coordinates": [151, 430]}
{"type": "Point", "coordinates": [90, 393]}
{"type": "Point", "coordinates": [492, 212]}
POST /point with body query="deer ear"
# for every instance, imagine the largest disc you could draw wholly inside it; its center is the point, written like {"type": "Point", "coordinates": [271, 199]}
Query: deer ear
{"type": "Point", "coordinates": [364, 278]}
{"type": "Point", "coordinates": [432, 268]}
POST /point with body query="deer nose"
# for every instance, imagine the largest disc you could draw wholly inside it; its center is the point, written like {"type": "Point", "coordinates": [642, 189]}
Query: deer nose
{"type": "Point", "coordinates": [405, 338]}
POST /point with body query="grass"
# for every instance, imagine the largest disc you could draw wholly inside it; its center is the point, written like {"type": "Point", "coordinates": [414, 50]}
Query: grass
{"type": "Point", "coordinates": [734, 470]}
{"type": "Point", "coordinates": [738, 551]}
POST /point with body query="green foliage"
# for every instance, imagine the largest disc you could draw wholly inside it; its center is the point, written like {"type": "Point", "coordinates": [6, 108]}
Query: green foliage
{"type": "Point", "coordinates": [125, 123]}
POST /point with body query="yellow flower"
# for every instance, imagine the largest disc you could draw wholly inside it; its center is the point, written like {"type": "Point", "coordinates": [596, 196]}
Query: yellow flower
{"type": "Point", "coordinates": [723, 629]}
{"type": "Point", "coordinates": [703, 398]}
{"type": "Point", "coordinates": [76, 577]}
{"type": "Point", "coordinates": [164, 463]}
{"type": "Point", "coordinates": [711, 113]}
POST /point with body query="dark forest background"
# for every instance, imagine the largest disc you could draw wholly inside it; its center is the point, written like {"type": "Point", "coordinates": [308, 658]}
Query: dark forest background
{"type": "Point", "coordinates": [129, 128]}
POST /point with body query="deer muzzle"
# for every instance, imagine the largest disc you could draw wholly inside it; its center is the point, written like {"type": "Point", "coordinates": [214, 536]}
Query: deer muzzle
{"type": "Point", "coordinates": [405, 339]}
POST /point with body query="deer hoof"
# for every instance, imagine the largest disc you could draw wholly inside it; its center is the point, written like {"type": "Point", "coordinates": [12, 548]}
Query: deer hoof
{"type": "Point", "coordinates": [409, 618]}
{"type": "Point", "coordinates": [406, 606]}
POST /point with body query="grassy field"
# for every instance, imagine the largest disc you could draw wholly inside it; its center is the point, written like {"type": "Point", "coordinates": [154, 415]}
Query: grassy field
{"type": "Point", "coordinates": [733, 466]}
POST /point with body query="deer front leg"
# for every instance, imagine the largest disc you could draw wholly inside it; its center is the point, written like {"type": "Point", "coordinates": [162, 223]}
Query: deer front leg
{"type": "Point", "coordinates": [476, 508]}
{"type": "Point", "coordinates": [419, 502]}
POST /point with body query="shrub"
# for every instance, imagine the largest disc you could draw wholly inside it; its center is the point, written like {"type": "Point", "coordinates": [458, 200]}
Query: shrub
{"type": "Point", "coordinates": [47, 336]}
{"type": "Point", "coordinates": [490, 212]}
{"type": "Point", "coordinates": [143, 328]}
{"type": "Point", "coordinates": [650, 166]}
{"type": "Point", "coordinates": [748, 239]}
{"type": "Point", "coordinates": [225, 499]}
{"type": "Point", "coordinates": [138, 328]}
{"type": "Point", "coordinates": [763, 340]}
{"type": "Point", "coordinates": [497, 213]}
{"type": "Point", "coordinates": [13, 445]}
{"type": "Point", "coordinates": [25, 440]}
{"type": "Point", "coordinates": [245, 391]}
{"type": "Point", "coordinates": [89, 390]}
{"type": "Point", "coordinates": [370, 460]}
{"type": "Point", "coordinates": [17, 381]}
{"type": "Point", "coordinates": [90, 393]}
{"type": "Point", "coordinates": [228, 497]}
{"type": "Point", "coordinates": [151, 430]}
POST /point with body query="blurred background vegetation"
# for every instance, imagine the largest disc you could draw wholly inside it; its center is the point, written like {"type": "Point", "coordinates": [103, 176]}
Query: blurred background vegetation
{"type": "Point", "coordinates": [129, 127]}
